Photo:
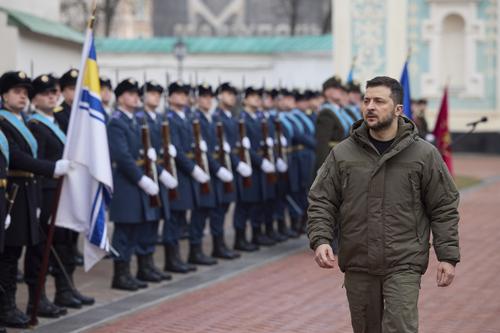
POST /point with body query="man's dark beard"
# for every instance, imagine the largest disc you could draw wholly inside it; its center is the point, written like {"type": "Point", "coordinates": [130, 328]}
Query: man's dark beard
{"type": "Point", "coordinates": [383, 124]}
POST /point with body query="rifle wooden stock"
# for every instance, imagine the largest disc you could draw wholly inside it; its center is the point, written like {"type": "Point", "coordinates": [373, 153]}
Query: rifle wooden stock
{"type": "Point", "coordinates": [243, 153]}
{"type": "Point", "coordinates": [149, 165]}
{"type": "Point", "coordinates": [199, 155]}
{"type": "Point", "coordinates": [281, 153]}
{"type": "Point", "coordinates": [223, 156]}
{"type": "Point", "coordinates": [268, 150]}
{"type": "Point", "coordinates": [168, 161]}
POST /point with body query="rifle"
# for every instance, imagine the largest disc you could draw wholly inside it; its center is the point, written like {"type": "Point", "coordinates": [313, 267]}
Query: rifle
{"type": "Point", "coordinates": [149, 165]}
{"type": "Point", "coordinates": [243, 153]}
{"type": "Point", "coordinates": [168, 161]}
{"type": "Point", "coordinates": [12, 197]}
{"type": "Point", "coordinates": [200, 156]}
{"type": "Point", "coordinates": [279, 147]}
{"type": "Point", "coordinates": [223, 156]}
{"type": "Point", "coordinates": [268, 150]}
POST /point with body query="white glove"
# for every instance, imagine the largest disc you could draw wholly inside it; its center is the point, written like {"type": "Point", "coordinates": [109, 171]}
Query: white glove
{"type": "Point", "coordinates": [152, 154]}
{"type": "Point", "coordinates": [62, 168]}
{"type": "Point", "coordinates": [172, 151]}
{"type": "Point", "coordinates": [269, 141]}
{"type": "Point", "coordinates": [283, 141]}
{"type": "Point", "coordinates": [168, 180]}
{"type": "Point", "coordinates": [7, 221]}
{"type": "Point", "coordinates": [244, 169]}
{"type": "Point", "coordinates": [203, 146]}
{"type": "Point", "coordinates": [281, 165]}
{"type": "Point", "coordinates": [148, 185]}
{"type": "Point", "coordinates": [267, 166]}
{"type": "Point", "coordinates": [226, 147]}
{"type": "Point", "coordinates": [245, 142]}
{"type": "Point", "coordinates": [199, 175]}
{"type": "Point", "coordinates": [225, 175]}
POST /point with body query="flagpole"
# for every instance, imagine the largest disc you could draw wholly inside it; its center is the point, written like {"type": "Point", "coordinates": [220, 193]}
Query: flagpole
{"type": "Point", "coordinates": [55, 206]}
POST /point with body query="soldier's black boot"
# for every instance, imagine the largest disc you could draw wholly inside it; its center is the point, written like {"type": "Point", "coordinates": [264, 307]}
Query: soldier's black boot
{"type": "Point", "coordinates": [46, 308]}
{"type": "Point", "coordinates": [283, 229]}
{"type": "Point", "coordinates": [259, 238]}
{"type": "Point", "coordinates": [276, 236]}
{"type": "Point", "coordinates": [64, 293]}
{"type": "Point", "coordinates": [220, 250]}
{"type": "Point", "coordinates": [241, 243]}
{"type": "Point", "coordinates": [85, 300]}
{"type": "Point", "coordinates": [197, 257]}
{"type": "Point", "coordinates": [152, 267]}
{"type": "Point", "coordinates": [121, 277]}
{"type": "Point", "coordinates": [10, 315]}
{"type": "Point", "coordinates": [173, 262]}
{"type": "Point", "coordinates": [144, 272]}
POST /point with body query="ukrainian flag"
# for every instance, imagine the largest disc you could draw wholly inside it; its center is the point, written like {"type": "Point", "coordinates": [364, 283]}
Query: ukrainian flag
{"type": "Point", "coordinates": [88, 186]}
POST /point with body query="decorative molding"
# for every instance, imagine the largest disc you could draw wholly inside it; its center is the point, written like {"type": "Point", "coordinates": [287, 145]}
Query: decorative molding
{"type": "Point", "coordinates": [431, 82]}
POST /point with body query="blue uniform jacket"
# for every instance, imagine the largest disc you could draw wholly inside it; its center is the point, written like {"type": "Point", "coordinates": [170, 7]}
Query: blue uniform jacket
{"type": "Point", "coordinates": [130, 204]}
{"type": "Point", "coordinates": [307, 155]}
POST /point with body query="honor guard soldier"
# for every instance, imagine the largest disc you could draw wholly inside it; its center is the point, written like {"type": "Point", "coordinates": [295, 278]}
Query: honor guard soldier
{"type": "Point", "coordinates": [106, 95]}
{"type": "Point", "coordinates": [4, 217]}
{"type": "Point", "coordinates": [67, 82]}
{"type": "Point", "coordinates": [151, 93]}
{"type": "Point", "coordinates": [354, 97]}
{"type": "Point", "coordinates": [333, 122]}
{"type": "Point", "coordinates": [263, 216]}
{"type": "Point", "coordinates": [227, 97]}
{"type": "Point", "coordinates": [306, 155]}
{"type": "Point", "coordinates": [223, 190]}
{"type": "Point", "coordinates": [250, 188]}
{"type": "Point", "coordinates": [51, 141]}
{"type": "Point", "coordinates": [23, 167]}
{"type": "Point", "coordinates": [190, 175]}
{"type": "Point", "coordinates": [131, 207]}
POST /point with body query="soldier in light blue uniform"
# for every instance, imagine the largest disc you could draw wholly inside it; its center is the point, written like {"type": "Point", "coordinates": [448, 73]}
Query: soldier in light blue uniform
{"type": "Point", "coordinates": [306, 156]}
{"type": "Point", "coordinates": [189, 175]}
{"type": "Point", "coordinates": [130, 207]}
{"type": "Point", "coordinates": [226, 94]}
{"type": "Point", "coordinates": [151, 93]}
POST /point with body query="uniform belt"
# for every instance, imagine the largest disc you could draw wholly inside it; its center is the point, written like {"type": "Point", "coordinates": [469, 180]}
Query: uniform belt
{"type": "Point", "coordinates": [333, 143]}
{"type": "Point", "coordinates": [20, 174]}
{"type": "Point", "coordinates": [140, 163]}
{"type": "Point", "coordinates": [3, 183]}
{"type": "Point", "coordinates": [297, 148]}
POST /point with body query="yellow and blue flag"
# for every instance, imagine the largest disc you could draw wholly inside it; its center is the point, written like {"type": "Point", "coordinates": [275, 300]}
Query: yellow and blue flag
{"type": "Point", "coordinates": [88, 186]}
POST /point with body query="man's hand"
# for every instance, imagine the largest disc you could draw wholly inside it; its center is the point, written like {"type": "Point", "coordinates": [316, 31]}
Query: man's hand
{"type": "Point", "coordinates": [445, 274]}
{"type": "Point", "coordinates": [324, 256]}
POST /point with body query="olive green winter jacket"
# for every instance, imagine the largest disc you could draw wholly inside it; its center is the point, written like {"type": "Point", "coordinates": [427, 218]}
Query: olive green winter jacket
{"type": "Point", "coordinates": [385, 205]}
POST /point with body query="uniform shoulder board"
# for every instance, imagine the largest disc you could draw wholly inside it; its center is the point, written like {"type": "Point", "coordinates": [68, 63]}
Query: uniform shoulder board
{"type": "Point", "coordinates": [58, 109]}
{"type": "Point", "coordinates": [32, 120]}
{"type": "Point", "coordinates": [116, 115]}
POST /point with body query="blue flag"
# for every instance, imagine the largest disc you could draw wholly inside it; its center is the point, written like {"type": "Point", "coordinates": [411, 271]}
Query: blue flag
{"type": "Point", "coordinates": [350, 76]}
{"type": "Point", "coordinates": [405, 82]}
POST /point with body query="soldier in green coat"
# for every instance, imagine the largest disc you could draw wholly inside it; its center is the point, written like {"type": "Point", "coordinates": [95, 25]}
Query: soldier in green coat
{"type": "Point", "coordinates": [385, 189]}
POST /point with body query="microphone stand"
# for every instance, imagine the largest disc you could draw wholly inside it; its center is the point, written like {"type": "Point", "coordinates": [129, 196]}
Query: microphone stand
{"type": "Point", "coordinates": [462, 136]}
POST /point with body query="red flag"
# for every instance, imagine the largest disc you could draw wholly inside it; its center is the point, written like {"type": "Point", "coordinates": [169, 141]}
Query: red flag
{"type": "Point", "coordinates": [442, 132]}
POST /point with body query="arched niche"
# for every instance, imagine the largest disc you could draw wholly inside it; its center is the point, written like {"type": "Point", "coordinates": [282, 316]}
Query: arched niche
{"type": "Point", "coordinates": [453, 31]}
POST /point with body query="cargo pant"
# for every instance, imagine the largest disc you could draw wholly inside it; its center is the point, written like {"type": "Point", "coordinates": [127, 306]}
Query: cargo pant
{"type": "Point", "coordinates": [383, 303]}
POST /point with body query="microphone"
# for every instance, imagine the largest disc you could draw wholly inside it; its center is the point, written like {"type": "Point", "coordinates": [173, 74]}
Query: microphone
{"type": "Point", "coordinates": [482, 120]}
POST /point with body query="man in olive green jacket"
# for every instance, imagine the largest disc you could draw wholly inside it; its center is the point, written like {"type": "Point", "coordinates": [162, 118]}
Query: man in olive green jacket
{"type": "Point", "coordinates": [386, 189]}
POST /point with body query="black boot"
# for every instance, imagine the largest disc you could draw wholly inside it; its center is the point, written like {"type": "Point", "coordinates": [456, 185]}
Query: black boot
{"type": "Point", "coordinates": [241, 243]}
{"type": "Point", "coordinates": [274, 235]}
{"type": "Point", "coordinates": [64, 293]}
{"type": "Point", "coordinates": [144, 272]}
{"type": "Point", "coordinates": [197, 257]}
{"type": "Point", "coordinates": [86, 300]}
{"type": "Point", "coordinates": [173, 262]}
{"type": "Point", "coordinates": [283, 229]}
{"type": "Point", "coordinates": [10, 315]}
{"type": "Point", "coordinates": [46, 309]}
{"type": "Point", "coordinates": [121, 277]}
{"type": "Point", "coordinates": [220, 249]}
{"type": "Point", "coordinates": [152, 267]}
{"type": "Point", "coordinates": [259, 238]}
{"type": "Point", "coordinates": [78, 256]}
